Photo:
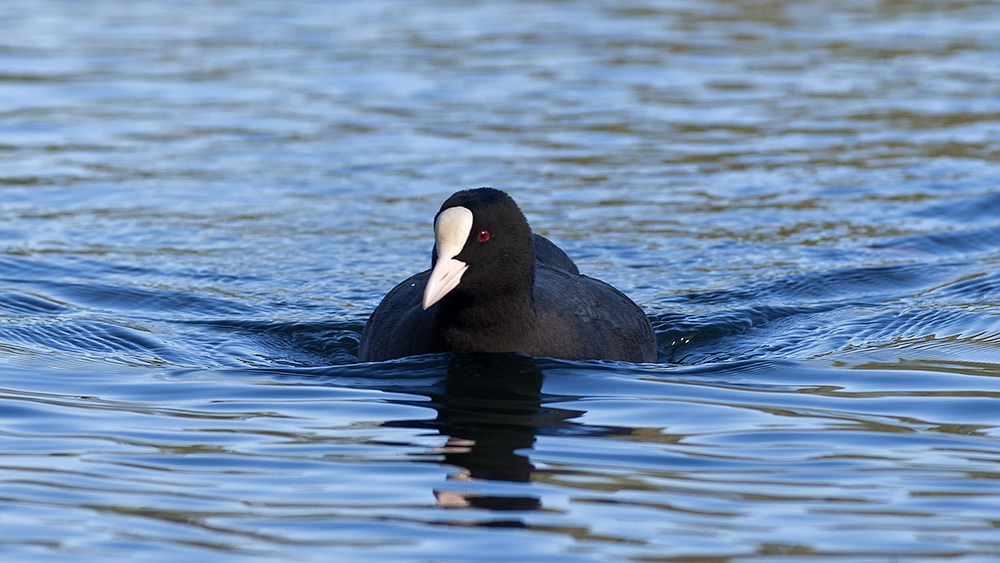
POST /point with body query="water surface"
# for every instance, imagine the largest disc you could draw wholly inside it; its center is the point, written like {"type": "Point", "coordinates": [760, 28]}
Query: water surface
{"type": "Point", "coordinates": [200, 204]}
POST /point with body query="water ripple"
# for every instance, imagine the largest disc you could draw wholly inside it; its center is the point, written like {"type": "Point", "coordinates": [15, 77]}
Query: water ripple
{"type": "Point", "coordinates": [201, 203]}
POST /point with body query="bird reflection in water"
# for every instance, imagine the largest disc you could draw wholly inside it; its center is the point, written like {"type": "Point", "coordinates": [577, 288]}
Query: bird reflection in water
{"type": "Point", "coordinates": [491, 408]}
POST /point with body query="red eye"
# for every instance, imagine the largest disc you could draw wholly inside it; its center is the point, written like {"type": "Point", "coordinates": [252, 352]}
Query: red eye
{"type": "Point", "coordinates": [484, 236]}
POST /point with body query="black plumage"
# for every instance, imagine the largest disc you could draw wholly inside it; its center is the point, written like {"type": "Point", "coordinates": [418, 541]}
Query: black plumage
{"type": "Point", "coordinates": [518, 292]}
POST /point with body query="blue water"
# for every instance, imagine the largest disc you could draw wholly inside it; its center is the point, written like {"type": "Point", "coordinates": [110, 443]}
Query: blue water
{"type": "Point", "coordinates": [200, 204]}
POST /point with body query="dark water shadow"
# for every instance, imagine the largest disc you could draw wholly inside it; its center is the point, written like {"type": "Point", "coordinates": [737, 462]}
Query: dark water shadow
{"type": "Point", "coordinates": [490, 407]}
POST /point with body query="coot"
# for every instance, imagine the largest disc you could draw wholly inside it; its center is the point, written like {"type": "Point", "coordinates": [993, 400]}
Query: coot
{"type": "Point", "coordinates": [494, 286]}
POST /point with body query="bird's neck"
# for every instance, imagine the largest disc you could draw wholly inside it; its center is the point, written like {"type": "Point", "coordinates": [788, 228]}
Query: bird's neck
{"type": "Point", "coordinates": [502, 321]}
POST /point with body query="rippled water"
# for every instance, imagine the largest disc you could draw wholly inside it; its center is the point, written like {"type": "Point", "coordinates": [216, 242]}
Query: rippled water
{"type": "Point", "coordinates": [200, 203]}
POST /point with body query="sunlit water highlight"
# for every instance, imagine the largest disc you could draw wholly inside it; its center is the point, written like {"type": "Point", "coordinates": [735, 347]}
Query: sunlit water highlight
{"type": "Point", "coordinates": [201, 203]}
